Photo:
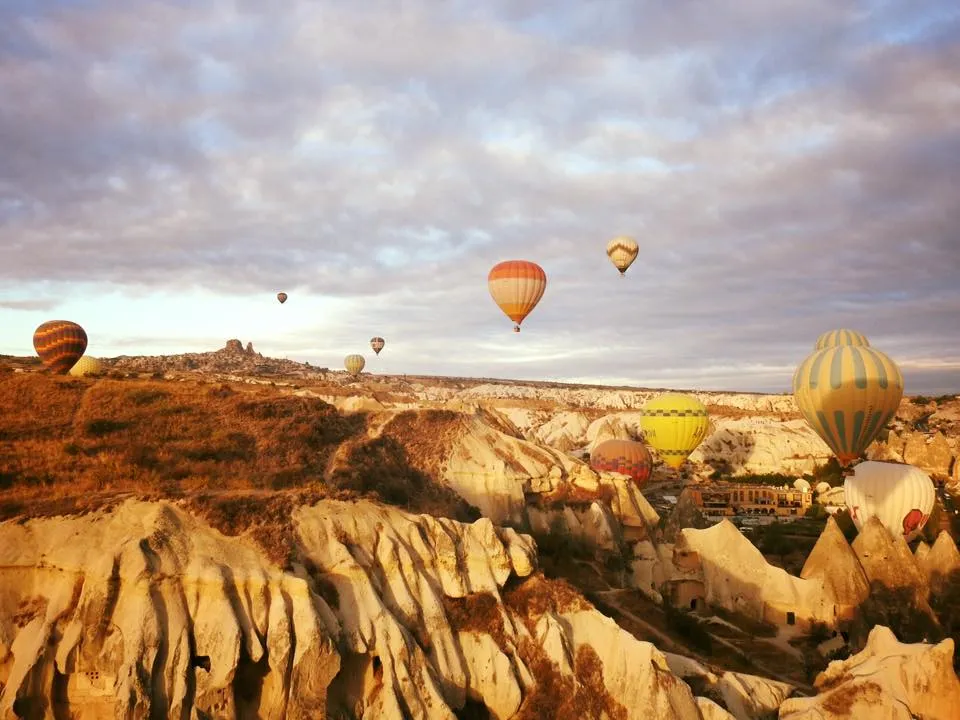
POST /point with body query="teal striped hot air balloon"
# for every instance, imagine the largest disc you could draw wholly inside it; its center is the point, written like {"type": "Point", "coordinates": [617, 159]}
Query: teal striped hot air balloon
{"type": "Point", "coordinates": [847, 393]}
{"type": "Point", "coordinates": [841, 336]}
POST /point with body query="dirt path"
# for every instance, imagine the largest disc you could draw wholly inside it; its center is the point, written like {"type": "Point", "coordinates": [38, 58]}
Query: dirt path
{"type": "Point", "coordinates": [610, 598]}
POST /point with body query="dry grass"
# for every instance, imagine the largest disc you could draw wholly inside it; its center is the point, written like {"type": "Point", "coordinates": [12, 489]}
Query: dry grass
{"type": "Point", "coordinates": [243, 454]}
{"type": "Point", "coordinates": [734, 413]}
{"type": "Point", "coordinates": [427, 436]}
{"type": "Point", "coordinates": [478, 612]}
{"type": "Point", "coordinates": [530, 598]}
{"type": "Point", "coordinates": [840, 702]}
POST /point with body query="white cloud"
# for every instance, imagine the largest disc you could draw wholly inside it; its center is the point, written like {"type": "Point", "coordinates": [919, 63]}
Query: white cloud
{"type": "Point", "coordinates": [786, 168]}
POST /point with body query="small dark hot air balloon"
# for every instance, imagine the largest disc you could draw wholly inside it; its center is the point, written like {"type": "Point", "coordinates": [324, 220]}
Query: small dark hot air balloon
{"type": "Point", "coordinates": [282, 297]}
{"type": "Point", "coordinates": [60, 343]}
{"type": "Point", "coordinates": [377, 344]}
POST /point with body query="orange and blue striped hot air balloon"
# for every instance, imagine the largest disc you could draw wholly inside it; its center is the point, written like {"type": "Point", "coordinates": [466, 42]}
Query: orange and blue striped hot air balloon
{"type": "Point", "coordinates": [60, 343]}
{"type": "Point", "coordinates": [517, 286]}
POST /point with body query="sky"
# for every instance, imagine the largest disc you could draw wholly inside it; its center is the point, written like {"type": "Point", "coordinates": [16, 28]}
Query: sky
{"type": "Point", "coordinates": [790, 167]}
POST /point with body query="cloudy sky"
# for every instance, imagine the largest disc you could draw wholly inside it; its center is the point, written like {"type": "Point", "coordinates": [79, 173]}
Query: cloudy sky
{"type": "Point", "coordinates": [168, 166]}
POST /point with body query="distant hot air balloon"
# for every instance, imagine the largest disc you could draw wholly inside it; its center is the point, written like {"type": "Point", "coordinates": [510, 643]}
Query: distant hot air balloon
{"type": "Point", "coordinates": [86, 366]}
{"type": "Point", "coordinates": [623, 456]}
{"type": "Point", "coordinates": [517, 286]}
{"type": "Point", "coordinates": [59, 343]}
{"type": "Point", "coordinates": [847, 393]}
{"type": "Point", "coordinates": [900, 496]}
{"type": "Point", "coordinates": [282, 297]}
{"type": "Point", "coordinates": [377, 344]}
{"type": "Point", "coordinates": [674, 424]}
{"type": "Point", "coordinates": [843, 336]}
{"type": "Point", "coordinates": [354, 364]}
{"type": "Point", "coordinates": [622, 251]}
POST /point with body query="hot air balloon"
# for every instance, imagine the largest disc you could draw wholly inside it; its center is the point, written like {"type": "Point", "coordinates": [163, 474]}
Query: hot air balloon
{"type": "Point", "coordinates": [377, 344]}
{"type": "Point", "coordinates": [847, 393]}
{"type": "Point", "coordinates": [843, 336]}
{"type": "Point", "coordinates": [59, 343]}
{"type": "Point", "coordinates": [282, 297]}
{"type": "Point", "coordinates": [622, 251]}
{"type": "Point", "coordinates": [900, 496]}
{"type": "Point", "coordinates": [354, 364]}
{"type": "Point", "coordinates": [86, 366]}
{"type": "Point", "coordinates": [623, 456]}
{"type": "Point", "coordinates": [674, 424]}
{"type": "Point", "coordinates": [517, 286]}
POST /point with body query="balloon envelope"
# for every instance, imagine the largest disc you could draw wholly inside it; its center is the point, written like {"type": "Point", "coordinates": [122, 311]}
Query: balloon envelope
{"type": "Point", "coordinates": [622, 251]}
{"type": "Point", "coordinates": [674, 424]}
{"type": "Point", "coordinates": [86, 366]}
{"type": "Point", "coordinates": [282, 297]}
{"type": "Point", "coordinates": [627, 457]}
{"type": "Point", "coordinates": [843, 336]}
{"type": "Point", "coordinates": [516, 286]}
{"type": "Point", "coordinates": [59, 343]}
{"type": "Point", "coordinates": [377, 344]}
{"type": "Point", "coordinates": [900, 496]}
{"type": "Point", "coordinates": [354, 364]}
{"type": "Point", "coordinates": [847, 393]}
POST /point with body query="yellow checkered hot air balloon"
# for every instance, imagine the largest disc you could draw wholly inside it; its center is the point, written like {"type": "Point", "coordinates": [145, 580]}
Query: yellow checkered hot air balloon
{"type": "Point", "coordinates": [354, 364]}
{"type": "Point", "coordinates": [847, 393]}
{"type": "Point", "coordinates": [674, 424]}
{"type": "Point", "coordinates": [86, 366]}
{"type": "Point", "coordinates": [842, 336]}
{"type": "Point", "coordinates": [622, 251]}
{"type": "Point", "coordinates": [517, 286]}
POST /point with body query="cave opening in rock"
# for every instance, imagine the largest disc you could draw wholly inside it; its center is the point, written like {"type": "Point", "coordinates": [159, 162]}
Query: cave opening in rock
{"type": "Point", "coordinates": [473, 710]}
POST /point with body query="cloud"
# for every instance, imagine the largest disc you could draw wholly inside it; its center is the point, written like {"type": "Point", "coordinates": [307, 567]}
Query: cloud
{"type": "Point", "coordinates": [787, 168]}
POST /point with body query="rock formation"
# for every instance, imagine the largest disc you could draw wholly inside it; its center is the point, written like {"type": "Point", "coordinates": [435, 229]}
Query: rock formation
{"type": "Point", "coordinates": [685, 514]}
{"type": "Point", "coordinates": [887, 560]}
{"type": "Point", "coordinates": [887, 679]}
{"type": "Point", "coordinates": [736, 576]}
{"type": "Point", "coordinates": [833, 562]}
{"type": "Point", "coordinates": [939, 562]}
{"type": "Point", "coordinates": [147, 610]}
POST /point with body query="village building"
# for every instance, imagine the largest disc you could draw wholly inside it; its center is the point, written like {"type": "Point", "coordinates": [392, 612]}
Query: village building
{"type": "Point", "coordinates": [728, 499]}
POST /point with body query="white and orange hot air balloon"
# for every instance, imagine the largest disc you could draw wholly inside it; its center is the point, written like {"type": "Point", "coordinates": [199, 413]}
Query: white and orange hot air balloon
{"type": "Point", "coordinates": [622, 251]}
{"type": "Point", "coordinates": [517, 286]}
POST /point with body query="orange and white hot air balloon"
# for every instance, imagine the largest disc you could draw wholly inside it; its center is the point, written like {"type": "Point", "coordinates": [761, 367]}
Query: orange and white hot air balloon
{"type": "Point", "coordinates": [517, 286]}
{"type": "Point", "coordinates": [622, 251]}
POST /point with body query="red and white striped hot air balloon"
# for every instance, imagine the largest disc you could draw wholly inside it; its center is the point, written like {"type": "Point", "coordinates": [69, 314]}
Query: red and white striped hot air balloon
{"type": "Point", "coordinates": [517, 286]}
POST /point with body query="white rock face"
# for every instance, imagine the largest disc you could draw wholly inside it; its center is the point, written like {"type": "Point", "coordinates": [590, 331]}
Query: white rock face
{"type": "Point", "coordinates": [587, 397]}
{"type": "Point", "coordinates": [127, 605]}
{"type": "Point", "coordinates": [888, 679]}
{"type": "Point", "coordinates": [492, 470]}
{"type": "Point", "coordinates": [745, 697]}
{"type": "Point", "coordinates": [737, 577]}
{"type": "Point", "coordinates": [145, 611]}
{"type": "Point", "coordinates": [762, 445]}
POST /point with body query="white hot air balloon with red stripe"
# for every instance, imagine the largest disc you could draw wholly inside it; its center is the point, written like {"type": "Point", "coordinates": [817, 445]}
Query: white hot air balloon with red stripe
{"type": "Point", "coordinates": [900, 496]}
{"type": "Point", "coordinates": [517, 286]}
